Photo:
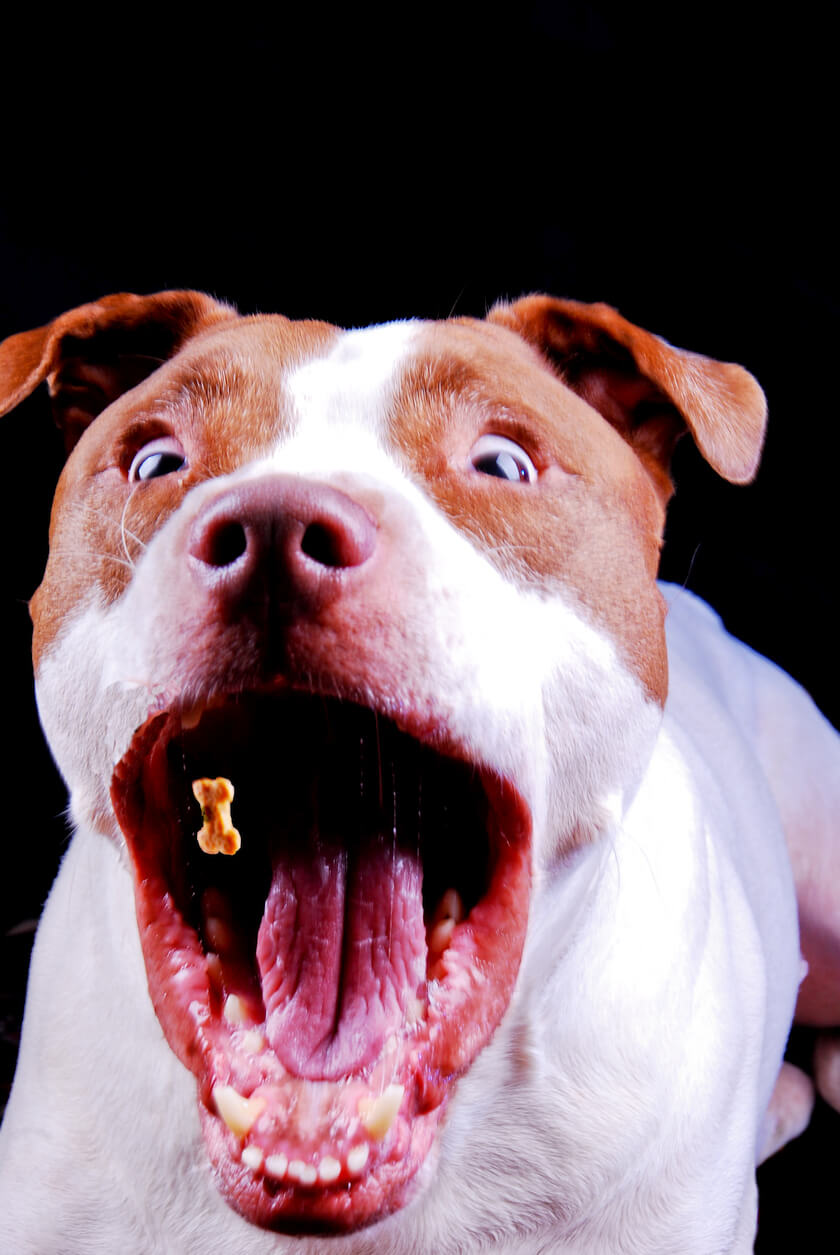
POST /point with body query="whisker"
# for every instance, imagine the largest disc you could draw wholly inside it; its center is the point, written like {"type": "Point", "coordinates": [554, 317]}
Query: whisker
{"type": "Point", "coordinates": [123, 531]}
{"type": "Point", "coordinates": [71, 553]}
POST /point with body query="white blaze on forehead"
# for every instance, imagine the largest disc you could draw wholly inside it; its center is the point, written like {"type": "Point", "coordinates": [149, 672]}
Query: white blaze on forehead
{"type": "Point", "coordinates": [342, 400]}
{"type": "Point", "coordinates": [355, 381]}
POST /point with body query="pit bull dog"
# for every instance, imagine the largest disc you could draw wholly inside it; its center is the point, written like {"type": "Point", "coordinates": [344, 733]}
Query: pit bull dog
{"type": "Point", "coordinates": [503, 950]}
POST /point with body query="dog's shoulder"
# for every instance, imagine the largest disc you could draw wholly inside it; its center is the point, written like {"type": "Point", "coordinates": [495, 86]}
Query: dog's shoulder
{"type": "Point", "coordinates": [776, 715]}
{"type": "Point", "coordinates": [700, 647]}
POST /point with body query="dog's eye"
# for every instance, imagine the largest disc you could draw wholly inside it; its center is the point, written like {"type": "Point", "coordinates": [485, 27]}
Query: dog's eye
{"type": "Point", "coordinates": [159, 457]}
{"type": "Point", "coordinates": [504, 458]}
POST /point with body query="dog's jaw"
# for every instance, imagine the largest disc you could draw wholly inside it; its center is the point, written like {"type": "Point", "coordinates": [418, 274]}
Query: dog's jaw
{"type": "Point", "coordinates": [312, 1122]}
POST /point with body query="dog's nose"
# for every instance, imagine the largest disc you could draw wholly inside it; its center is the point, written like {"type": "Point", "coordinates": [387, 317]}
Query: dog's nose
{"type": "Point", "coordinates": [282, 537]}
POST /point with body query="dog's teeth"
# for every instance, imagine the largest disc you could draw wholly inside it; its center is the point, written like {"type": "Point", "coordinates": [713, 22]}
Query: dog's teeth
{"type": "Point", "coordinates": [448, 914]}
{"type": "Point", "coordinates": [302, 1172]}
{"type": "Point", "coordinates": [329, 1169]}
{"type": "Point", "coordinates": [234, 1010]}
{"type": "Point", "coordinates": [239, 1113]}
{"type": "Point", "coordinates": [378, 1114]}
{"type": "Point", "coordinates": [279, 1167]}
{"type": "Point", "coordinates": [252, 1157]}
{"type": "Point", "coordinates": [357, 1158]}
{"type": "Point", "coordinates": [253, 1042]}
{"type": "Point", "coordinates": [276, 1166]}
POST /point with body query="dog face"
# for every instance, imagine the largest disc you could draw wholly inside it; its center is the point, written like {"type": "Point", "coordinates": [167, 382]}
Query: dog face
{"type": "Point", "coordinates": [398, 586]}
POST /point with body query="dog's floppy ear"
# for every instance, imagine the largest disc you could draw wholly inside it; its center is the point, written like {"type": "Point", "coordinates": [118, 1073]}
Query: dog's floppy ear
{"type": "Point", "coordinates": [91, 355]}
{"type": "Point", "coordinates": [649, 390]}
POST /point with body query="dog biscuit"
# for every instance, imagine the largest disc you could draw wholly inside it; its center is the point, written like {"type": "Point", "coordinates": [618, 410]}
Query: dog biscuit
{"type": "Point", "coordinates": [218, 836]}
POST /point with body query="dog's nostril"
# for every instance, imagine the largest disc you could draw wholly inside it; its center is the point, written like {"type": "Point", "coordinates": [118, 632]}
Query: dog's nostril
{"type": "Point", "coordinates": [323, 545]}
{"type": "Point", "coordinates": [281, 529]}
{"type": "Point", "coordinates": [227, 544]}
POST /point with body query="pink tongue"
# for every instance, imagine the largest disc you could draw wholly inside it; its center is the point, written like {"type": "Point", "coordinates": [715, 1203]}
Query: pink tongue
{"type": "Point", "coordinates": [341, 952]}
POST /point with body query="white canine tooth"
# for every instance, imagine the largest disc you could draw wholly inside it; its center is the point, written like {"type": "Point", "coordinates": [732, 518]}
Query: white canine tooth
{"type": "Point", "coordinates": [276, 1166]}
{"type": "Point", "coordinates": [234, 1010]}
{"type": "Point", "coordinates": [303, 1172]}
{"type": "Point", "coordinates": [252, 1157]}
{"type": "Point", "coordinates": [239, 1113]}
{"type": "Point", "coordinates": [448, 913]}
{"type": "Point", "coordinates": [378, 1114]}
{"type": "Point", "coordinates": [358, 1157]}
{"type": "Point", "coordinates": [329, 1169]}
{"type": "Point", "coordinates": [253, 1042]}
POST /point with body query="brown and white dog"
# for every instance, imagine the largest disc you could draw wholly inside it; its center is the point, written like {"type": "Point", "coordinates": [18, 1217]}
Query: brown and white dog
{"type": "Point", "coordinates": [509, 954]}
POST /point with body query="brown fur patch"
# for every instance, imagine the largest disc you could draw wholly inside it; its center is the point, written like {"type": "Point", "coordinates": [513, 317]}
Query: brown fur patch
{"type": "Point", "coordinates": [590, 526]}
{"type": "Point", "coordinates": [222, 397]}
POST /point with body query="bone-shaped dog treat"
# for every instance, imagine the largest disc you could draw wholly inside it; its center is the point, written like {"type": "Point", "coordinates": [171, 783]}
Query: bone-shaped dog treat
{"type": "Point", "coordinates": [218, 836]}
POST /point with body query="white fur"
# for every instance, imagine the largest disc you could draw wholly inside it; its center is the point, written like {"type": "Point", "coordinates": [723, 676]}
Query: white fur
{"type": "Point", "coordinates": [617, 1108]}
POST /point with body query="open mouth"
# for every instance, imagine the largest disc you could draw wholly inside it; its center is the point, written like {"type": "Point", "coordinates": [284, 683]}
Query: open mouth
{"type": "Point", "coordinates": [328, 982]}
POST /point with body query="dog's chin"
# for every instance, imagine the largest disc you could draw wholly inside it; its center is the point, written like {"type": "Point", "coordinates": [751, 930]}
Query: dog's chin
{"type": "Point", "coordinates": [329, 982]}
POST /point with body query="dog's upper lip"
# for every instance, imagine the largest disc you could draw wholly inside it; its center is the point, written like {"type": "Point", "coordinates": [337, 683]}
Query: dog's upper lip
{"type": "Point", "coordinates": [424, 1015]}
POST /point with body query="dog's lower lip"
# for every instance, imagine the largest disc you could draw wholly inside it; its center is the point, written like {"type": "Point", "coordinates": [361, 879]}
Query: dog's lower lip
{"type": "Point", "coordinates": [376, 1089]}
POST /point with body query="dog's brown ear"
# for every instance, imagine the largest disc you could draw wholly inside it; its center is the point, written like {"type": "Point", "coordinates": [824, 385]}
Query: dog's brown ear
{"type": "Point", "coordinates": [649, 390]}
{"type": "Point", "coordinates": [91, 355]}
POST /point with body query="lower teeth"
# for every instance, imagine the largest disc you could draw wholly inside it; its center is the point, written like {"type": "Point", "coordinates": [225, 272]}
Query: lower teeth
{"type": "Point", "coordinates": [280, 1168]}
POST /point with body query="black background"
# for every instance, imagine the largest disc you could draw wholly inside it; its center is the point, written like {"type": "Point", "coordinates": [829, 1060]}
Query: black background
{"type": "Point", "coordinates": [677, 164]}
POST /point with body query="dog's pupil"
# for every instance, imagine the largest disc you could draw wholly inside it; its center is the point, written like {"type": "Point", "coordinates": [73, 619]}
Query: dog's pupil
{"type": "Point", "coordinates": [157, 464]}
{"type": "Point", "coordinates": [503, 465]}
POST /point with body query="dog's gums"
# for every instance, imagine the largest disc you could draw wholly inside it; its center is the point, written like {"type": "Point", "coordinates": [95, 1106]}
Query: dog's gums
{"type": "Point", "coordinates": [328, 984]}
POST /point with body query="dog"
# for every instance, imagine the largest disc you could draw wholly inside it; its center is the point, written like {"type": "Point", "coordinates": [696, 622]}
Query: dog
{"type": "Point", "coordinates": [505, 949]}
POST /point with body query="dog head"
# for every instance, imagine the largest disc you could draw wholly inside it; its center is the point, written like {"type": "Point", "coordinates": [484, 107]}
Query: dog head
{"type": "Point", "coordinates": [398, 585]}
